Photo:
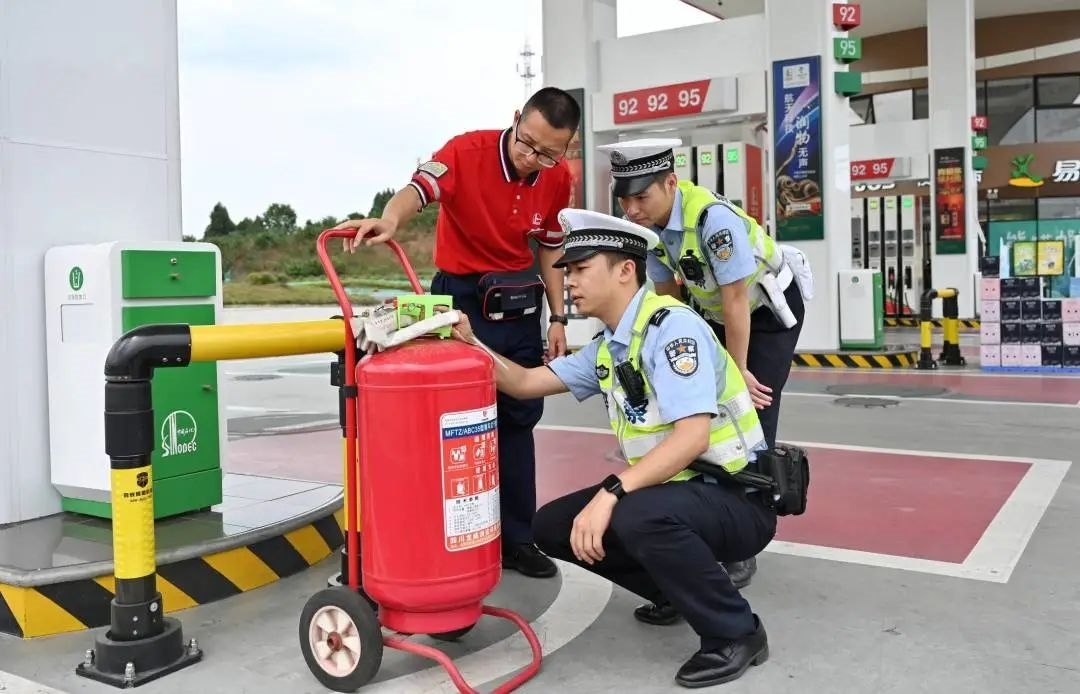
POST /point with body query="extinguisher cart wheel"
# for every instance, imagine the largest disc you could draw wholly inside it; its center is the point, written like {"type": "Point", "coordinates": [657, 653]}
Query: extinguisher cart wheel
{"type": "Point", "coordinates": [341, 639]}
{"type": "Point", "coordinates": [452, 635]}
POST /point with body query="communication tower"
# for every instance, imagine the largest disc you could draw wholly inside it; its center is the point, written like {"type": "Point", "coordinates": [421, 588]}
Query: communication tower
{"type": "Point", "coordinates": [524, 68]}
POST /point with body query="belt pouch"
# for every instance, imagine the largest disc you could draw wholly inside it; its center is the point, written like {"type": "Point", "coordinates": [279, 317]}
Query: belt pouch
{"type": "Point", "coordinates": [510, 295]}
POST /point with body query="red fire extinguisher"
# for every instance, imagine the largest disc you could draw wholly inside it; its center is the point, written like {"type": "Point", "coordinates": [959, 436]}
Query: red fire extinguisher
{"type": "Point", "coordinates": [421, 427]}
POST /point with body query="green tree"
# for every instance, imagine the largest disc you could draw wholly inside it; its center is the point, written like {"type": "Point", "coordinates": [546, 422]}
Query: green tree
{"type": "Point", "coordinates": [220, 222]}
{"type": "Point", "coordinates": [280, 218]}
{"type": "Point", "coordinates": [379, 203]}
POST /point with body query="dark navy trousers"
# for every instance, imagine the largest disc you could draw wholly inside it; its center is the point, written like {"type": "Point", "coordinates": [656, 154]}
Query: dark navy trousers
{"type": "Point", "coordinates": [664, 542]}
{"type": "Point", "coordinates": [520, 341]}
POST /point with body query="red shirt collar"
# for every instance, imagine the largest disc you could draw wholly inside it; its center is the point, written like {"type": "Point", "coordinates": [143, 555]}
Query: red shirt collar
{"type": "Point", "coordinates": [509, 173]}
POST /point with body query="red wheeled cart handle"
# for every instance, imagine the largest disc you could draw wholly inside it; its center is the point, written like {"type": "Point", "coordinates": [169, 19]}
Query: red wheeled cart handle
{"type": "Point", "coordinates": [331, 273]}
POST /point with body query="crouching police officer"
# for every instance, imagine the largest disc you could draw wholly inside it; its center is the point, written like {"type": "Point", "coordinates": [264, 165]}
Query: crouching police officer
{"type": "Point", "coordinates": [736, 276]}
{"type": "Point", "coordinates": [674, 396]}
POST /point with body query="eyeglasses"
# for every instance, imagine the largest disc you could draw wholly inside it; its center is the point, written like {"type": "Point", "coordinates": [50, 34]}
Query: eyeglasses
{"type": "Point", "coordinates": [545, 160]}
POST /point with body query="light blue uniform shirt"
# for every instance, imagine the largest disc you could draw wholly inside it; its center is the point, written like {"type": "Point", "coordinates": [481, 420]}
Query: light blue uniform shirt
{"type": "Point", "coordinates": [722, 230]}
{"type": "Point", "coordinates": [677, 393]}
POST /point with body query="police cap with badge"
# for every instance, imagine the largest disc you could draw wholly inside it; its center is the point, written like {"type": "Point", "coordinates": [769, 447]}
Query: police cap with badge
{"type": "Point", "coordinates": [635, 164]}
{"type": "Point", "coordinates": [589, 233]}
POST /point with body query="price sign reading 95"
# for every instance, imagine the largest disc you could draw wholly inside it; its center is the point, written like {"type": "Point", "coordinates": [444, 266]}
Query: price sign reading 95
{"type": "Point", "coordinates": [668, 101]}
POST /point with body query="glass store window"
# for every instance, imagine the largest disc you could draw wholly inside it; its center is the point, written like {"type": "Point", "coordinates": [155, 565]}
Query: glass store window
{"type": "Point", "coordinates": [1058, 124]}
{"type": "Point", "coordinates": [1058, 90]}
{"type": "Point", "coordinates": [1010, 105]}
{"type": "Point", "coordinates": [1012, 210]}
{"type": "Point", "coordinates": [921, 104]}
{"type": "Point", "coordinates": [1059, 208]}
{"type": "Point", "coordinates": [893, 107]}
{"type": "Point", "coordinates": [862, 110]}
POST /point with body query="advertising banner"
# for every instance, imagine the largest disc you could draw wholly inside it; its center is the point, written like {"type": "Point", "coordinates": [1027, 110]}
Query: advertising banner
{"type": "Point", "coordinates": [798, 188]}
{"type": "Point", "coordinates": [950, 223]}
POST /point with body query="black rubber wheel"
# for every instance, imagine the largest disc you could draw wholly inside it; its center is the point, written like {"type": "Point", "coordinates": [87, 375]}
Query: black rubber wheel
{"type": "Point", "coordinates": [341, 639]}
{"type": "Point", "coordinates": [452, 635]}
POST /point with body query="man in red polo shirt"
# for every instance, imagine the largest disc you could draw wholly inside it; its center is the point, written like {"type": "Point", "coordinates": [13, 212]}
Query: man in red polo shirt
{"type": "Point", "coordinates": [496, 190]}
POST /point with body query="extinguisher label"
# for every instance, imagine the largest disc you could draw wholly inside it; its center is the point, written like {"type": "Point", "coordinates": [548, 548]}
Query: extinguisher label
{"type": "Point", "coordinates": [470, 472]}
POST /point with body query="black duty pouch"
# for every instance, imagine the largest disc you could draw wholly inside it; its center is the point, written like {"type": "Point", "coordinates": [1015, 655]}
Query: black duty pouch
{"type": "Point", "coordinates": [782, 477]}
{"type": "Point", "coordinates": [510, 295]}
{"type": "Point", "coordinates": [789, 469]}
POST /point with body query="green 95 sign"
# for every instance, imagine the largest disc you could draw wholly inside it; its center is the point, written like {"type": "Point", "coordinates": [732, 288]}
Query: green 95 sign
{"type": "Point", "coordinates": [847, 49]}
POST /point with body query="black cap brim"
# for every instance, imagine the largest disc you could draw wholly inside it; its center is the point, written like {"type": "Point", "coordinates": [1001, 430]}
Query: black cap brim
{"type": "Point", "coordinates": [629, 187]}
{"type": "Point", "coordinates": [575, 255]}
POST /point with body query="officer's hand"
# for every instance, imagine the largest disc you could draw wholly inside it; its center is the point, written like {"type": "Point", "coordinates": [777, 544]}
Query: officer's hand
{"type": "Point", "coordinates": [587, 533]}
{"type": "Point", "coordinates": [368, 232]}
{"type": "Point", "coordinates": [556, 341]}
{"type": "Point", "coordinates": [759, 393]}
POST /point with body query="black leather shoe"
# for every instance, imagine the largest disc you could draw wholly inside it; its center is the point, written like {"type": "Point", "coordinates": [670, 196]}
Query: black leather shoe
{"type": "Point", "coordinates": [741, 572]}
{"type": "Point", "coordinates": [658, 615]}
{"type": "Point", "coordinates": [528, 560]}
{"type": "Point", "coordinates": [726, 663]}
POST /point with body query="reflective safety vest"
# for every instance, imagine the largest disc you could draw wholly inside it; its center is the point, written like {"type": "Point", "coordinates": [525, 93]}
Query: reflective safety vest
{"type": "Point", "coordinates": [734, 431]}
{"type": "Point", "coordinates": [706, 292]}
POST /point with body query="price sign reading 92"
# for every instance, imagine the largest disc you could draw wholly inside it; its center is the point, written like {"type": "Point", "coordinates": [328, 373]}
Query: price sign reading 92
{"type": "Point", "coordinates": [660, 102]}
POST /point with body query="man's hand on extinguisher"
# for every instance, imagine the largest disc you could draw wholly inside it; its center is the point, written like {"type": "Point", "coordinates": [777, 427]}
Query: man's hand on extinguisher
{"type": "Point", "coordinates": [462, 330]}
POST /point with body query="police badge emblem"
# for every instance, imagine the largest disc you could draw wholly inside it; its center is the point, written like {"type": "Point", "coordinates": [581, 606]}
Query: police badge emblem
{"type": "Point", "coordinates": [618, 158]}
{"type": "Point", "coordinates": [602, 372]}
{"type": "Point", "coordinates": [721, 244]}
{"type": "Point", "coordinates": [682, 356]}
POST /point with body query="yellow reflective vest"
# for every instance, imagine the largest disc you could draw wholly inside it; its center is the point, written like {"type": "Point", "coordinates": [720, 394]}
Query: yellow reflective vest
{"type": "Point", "coordinates": [706, 293]}
{"type": "Point", "coordinates": [735, 431]}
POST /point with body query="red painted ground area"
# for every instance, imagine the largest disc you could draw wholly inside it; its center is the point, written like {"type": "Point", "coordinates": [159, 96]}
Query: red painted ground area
{"type": "Point", "coordinates": [1051, 389]}
{"type": "Point", "coordinates": [907, 505]}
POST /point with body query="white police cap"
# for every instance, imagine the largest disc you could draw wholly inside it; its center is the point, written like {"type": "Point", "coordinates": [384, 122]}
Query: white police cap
{"type": "Point", "coordinates": [636, 163]}
{"type": "Point", "coordinates": [589, 233]}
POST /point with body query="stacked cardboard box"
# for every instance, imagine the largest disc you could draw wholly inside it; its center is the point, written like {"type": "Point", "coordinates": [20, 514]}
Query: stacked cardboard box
{"type": "Point", "coordinates": [1021, 329]}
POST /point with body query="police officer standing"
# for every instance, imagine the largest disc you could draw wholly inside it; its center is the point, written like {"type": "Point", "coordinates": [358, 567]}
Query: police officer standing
{"type": "Point", "coordinates": [673, 396]}
{"type": "Point", "coordinates": [496, 190]}
{"type": "Point", "coordinates": [734, 273]}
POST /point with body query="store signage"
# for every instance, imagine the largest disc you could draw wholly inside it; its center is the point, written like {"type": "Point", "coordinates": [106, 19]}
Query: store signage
{"type": "Point", "coordinates": [876, 169]}
{"type": "Point", "coordinates": [1066, 171]}
{"type": "Point", "coordinates": [846, 16]}
{"type": "Point", "coordinates": [797, 146]}
{"type": "Point", "coordinates": [668, 101]}
{"type": "Point", "coordinates": [950, 201]}
{"type": "Point", "coordinates": [980, 123]}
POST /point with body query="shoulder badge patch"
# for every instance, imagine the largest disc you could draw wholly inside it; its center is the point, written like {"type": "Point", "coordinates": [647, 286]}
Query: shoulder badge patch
{"type": "Point", "coordinates": [682, 356]}
{"type": "Point", "coordinates": [602, 372]}
{"type": "Point", "coordinates": [721, 244]}
{"type": "Point", "coordinates": [435, 168]}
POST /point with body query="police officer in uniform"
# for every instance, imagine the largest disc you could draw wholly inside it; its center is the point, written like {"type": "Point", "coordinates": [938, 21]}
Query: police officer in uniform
{"type": "Point", "coordinates": [674, 396]}
{"type": "Point", "coordinates": [733, 273]}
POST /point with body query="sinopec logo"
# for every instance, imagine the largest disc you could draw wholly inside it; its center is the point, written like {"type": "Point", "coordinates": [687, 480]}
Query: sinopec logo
{"type": "Point", "coordinates": [179, 434]}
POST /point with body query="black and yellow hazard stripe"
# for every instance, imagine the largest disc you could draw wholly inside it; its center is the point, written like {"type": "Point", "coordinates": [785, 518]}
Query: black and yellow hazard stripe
{"type": "Point", "coordinates": [913, 322]}
{"type": "Point", "coordinates": [840, 360]}
{"type": "Point", "coordinates": [29, 612]}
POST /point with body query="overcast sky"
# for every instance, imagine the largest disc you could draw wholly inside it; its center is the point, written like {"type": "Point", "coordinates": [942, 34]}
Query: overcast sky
{"type": "Point", "coordinates": [322, 103]}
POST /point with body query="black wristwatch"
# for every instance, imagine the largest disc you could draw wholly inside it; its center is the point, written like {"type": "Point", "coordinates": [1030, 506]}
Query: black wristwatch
{"type": "Point", "coordinates": [613, 484]}
{"type": "Point", "coordinates": [558, 319]}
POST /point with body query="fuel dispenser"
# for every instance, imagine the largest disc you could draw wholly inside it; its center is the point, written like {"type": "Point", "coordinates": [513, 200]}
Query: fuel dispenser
{"type": "Point", "coordinates": [858, 259]}
{"type": "Point", "coordinates": [685, 163]}
{"type": "Point", "coordinates": [887, 234]}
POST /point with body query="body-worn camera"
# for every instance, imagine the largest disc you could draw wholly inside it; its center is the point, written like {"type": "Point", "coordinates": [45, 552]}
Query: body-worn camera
{"type": "Point", "coordinates": [691, 267]}
{"type": "Point", "coordinates": [632, 382]}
